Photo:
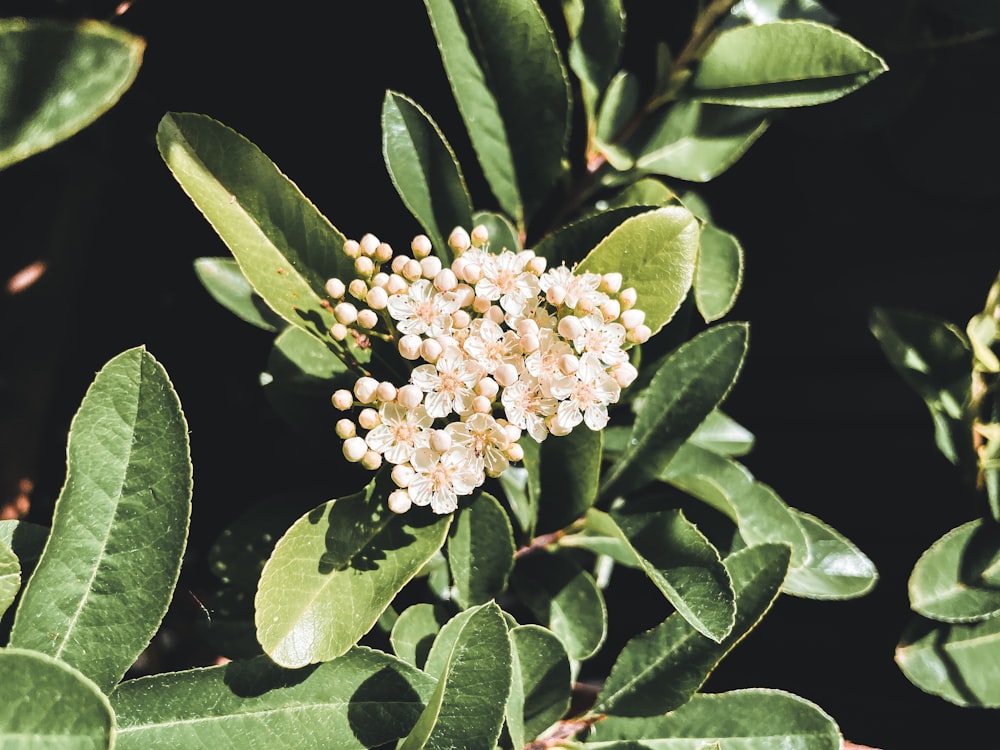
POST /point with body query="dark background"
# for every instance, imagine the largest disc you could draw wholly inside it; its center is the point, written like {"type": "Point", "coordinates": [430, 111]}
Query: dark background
{"type": "Point", "coordinates": [886, 198]}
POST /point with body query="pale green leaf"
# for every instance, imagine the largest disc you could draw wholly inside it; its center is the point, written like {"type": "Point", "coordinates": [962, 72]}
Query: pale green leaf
{"type": "Point", "coordinates": [956, 579]}
{"type": "Point", "coordinates": [659, 670]}
{"type": "Point", "coordinates": [541, 685]}
{"type": "Point", "coordinates": [223, 279]}
{"type": "Point", "coordinates": [45, 703]}
{"type": "Point", "coordinates": [686, 388]}
{"type": "Point", "coordinates": [834, 567]}
{"type": "Point", "coordinates": [466, 709]}
{"type": "Point", "coordinates": [722, 435]}
{"type": "Point", "coordinates": [336, 570]}
{"type": "Point", "coordinates": [57, 77]}
{"type": "Point", "coordinates": [655, 253]}
{"type": "Point", "coordinates": [783, 64]}
{"type": "Point", "coordinates": [359, 700]}
{"type": "Point", "coordinates": [718, 275]}
{"type": "Point", "coordinates": [565, 599]}
{"type": "Point", "coordinates": [424, 169]}
{"type": "Point", "coordinates": [119, 527]}
{"type": "Point", "coordinates": [503, 235]}
{"type": "Point", "coordinates": [284, 246]}
{"type": "Point", "coordinates": [569, 468]}
{"type": "Point", "coordinates": [414, 632]}
{"type": "Point", "coordinates": [480, 551]}
{"type": "Point", "coordinates": [958, 662]}
{"type": "Point", "coordinates": [751, 719]}
{"type": "Point", "coordinates": [10, 577]}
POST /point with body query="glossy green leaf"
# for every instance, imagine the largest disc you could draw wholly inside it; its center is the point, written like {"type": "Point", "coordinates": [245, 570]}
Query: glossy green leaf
{"type": "Point", "coordinates": [336, 570]}
{"type": "Point", "coordinates": [958, 578]}
{"type": "Point", "coordinates": [224, 280]}
{"type": "Point", "coordinates": [362, 699]}
{"type": "Point", "coordinates": [688, 386]}
{"type": "Point", "coordinates": [618, 107]}
{"type": "Point", "coordinates": [783, 64]}
{"type": "Point", "coordinates": [522, 503]}
{"type": "Point", "coordinates": [680, 562]}
{"type": "Point", "coordinates": [503, 234]}
{"type": "Point", "coordinates": [466, 709]}
{"type": "Point", "coordinates": [691, 140]}
{"type": "Point", "coordinates": [752, 719]}
{"type": "Point", "coordinates": [10, 577]}
{"type": "Point", "coordinates": [766, 11]}
{"type": "Point", "coordinates": [45, 703]}
{"type": "Point", "coordinates": [571, 242]}
{"type": "Point", "coordinates": [718, 274]}
{"type": "Point", "coordinates": [647, 191]}
{"type": "Point", "coordinates": [444, 641]}
{"type": "Point", "coordinates": [834, 567]}
{"type": "Point", "coordinates": [414, 632]}
{"type": "Point", "coordinates": [597, 34]}
{"type": "Point", "coordinates": [26, 539]}
{"type": "Point", "coordinates": [565, 599]}
{"type": "Point", "coordinates": [722, 435]}
{"type": "Point", "coordinates": [569, 468]}
{"type": "Point", "coordinates": [659, 670]}
{"type": "Point", "coordinates": [655, 253]}
{"type": "Point", "coordinates": [424, 169]}
{"type": "Point", "coordinates": [540, 686]}
{"type": "Point", "coordinates": [480, 551]}
{"type": "Point", "coordinates": [520, 148]}
{"type": "Point", "coordinates": [958, 662]}
{"type": "Point", "coordinates": [57, 77]}
{"type": "Point", "coordinates": [119, 527]}
{"type": "Point", "coordinates": [933, 358]}
{"type": "Point", "coordinates": [284, 246]}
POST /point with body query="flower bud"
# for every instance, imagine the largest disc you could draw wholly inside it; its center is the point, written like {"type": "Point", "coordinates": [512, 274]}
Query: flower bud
{"type": "Point", "coordinates": [365, 388]}
{"type": "Point", "coordinates": [398, 262]}
{"type": "Point", "coordinates": [367, 318]}
{"type": "Point", "coordinates": [430, 266]}
{"type": "Point", "coordinates": [412, 270]}
{"type": "Point", "coordinates": [377, 298]}
{"type": "Point", "coordinates": [342, 399]}
{"type": "Point", "coordinates": [355, 449]}
{"type": "Point", "coordinates": [402, 475]}
{"type": "Point", "coordinates": [482, 405]}
{"type": "Point", "coordinates": [358, 288]}
{"type": "Point", "coordinates": [633, 317]}
{"type": "Point", "coordinates": [345, 313]}
{"type": "Point", "coordinates": [338, 331]}
{"type": "Point", "coordinates": [611, 282]}
{"type": "Point", "coordinates": [515, 452]}
{"type": "Point", "coordinates": [440, 441]}
{"type": "Point", "coordinates": [624, 374]}
{"type": "Point", "coordinates": [421, 246]}
{"type": "Point", "coordinates": [364, 266]}
{"type": "Point", "coordinates": [506, 374]}
{"type": "Point", "coordinates": [529, 344]}
{"type": "Point", "coordinates": [335, 288]}
{"type": "Point", "coordinates": [480, 235]}
{"type": "Point", "coordinates": [640, 334]}
{"type": "Point", "coordinates": [368, 419]}
{"type": "Point", "coordinates": [345, 429]}
{"type": "Point", "coordinates": [385, 392]}
{"type": "Point", "coordinates": [627, 298]}
{"type": "Point", "coordinates": [430, 350]}
{"type": "Point", "coordinates": [409, 396]}
{"type": "Point", "coordinates": [459, 240]}
{"type": "Point", "coordinates": [396, 284]}
{"type": "Point", "coordinates": [487, 387]}
{"type": "Point", "coordinates": [611, 309]}
{"type": "Point", "coordinates": [399, 501]}
{"type": "Point", "coordinates": [409, 346]}
{"type": "Point", "coordinates": [352, 249]}
{"type": "Point", "coordinates": [555, 295]}
{"type": "Point", "coordinates": [445, 280]}
{"type": "Point", "coordinates": [368, 244]}
{"type": "Point", "coordinates": [383, 252]}
{"type": "Point", "coordinates": [371, 460]}
{"type": "Point", "coordinates": [570, 327]}
{"type": "Point", "coordinates": [537, 265]}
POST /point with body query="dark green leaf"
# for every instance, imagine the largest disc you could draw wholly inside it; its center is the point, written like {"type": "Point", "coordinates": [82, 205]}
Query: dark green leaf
{"type": "Point", "coordinates": [754, 719]}
{"type": "Point", "coordinates": [26, 540]}
{"type": "Point", "coordinates": [618, 107]}
{"type": "Point", "coordinates": [224, 280]}
{"type": "Point", "coordinates": [956, 579]}
{"type": "Point", "coordinates": [834, 567]}
{"type": "Point", "coordinates": [414, 631]}
{"type": "Point", "coordinates": [722, 435]}
{"type": "Point", "coordinates": [44, 703]}
{"type": "Point", "coordinates": [718, 274]}
{"type": "Point", "coordinates": [466, 709]}
{"type": "Point", "coordinates": [648, 191]}
{"type": "Point", "coordinates": [57, 77]}
{"type": "Point", "coordinates": [360, 700]}
{"type": "Point", "coordinates": [503, 234]}
{"type": "Point", "coordinates": [597, 34]}
{"type": "Point", "coordinates": [10, 577]}
{"type": "Point", "coordinates": [541, 684]}
{"type": "Point", "coordinates": [689, 385]}
{"type": "Point", "coordinates": [569, 468]}
{"type": "Point", "coordinates": [336, 570]}
{"type": "Point", "coordinates": [783, 64]}
{"type": "Point", "coordinates": [424, 170]}
{"type": "Point", "coordinates": [659, 671]}
{"type": "Point", "coordinates": [480, 551]}
{"type": "Point", "coordinates": [119, 527]}
{"type": "Point", "coordinates": [515, 489]}
{"type": "Point", "coordinates": [570, 243]}
{"type": "Point", "coordinates": [284, 246]}
{"type": "Point", "coordinates": [565, 599]}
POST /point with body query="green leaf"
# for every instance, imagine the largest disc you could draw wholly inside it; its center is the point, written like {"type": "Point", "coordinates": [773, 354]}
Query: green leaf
{"type": "Point", "coordinates": [688, 386]}
{"type": "Point", "coordinates": [284, 246]}
{"type": "Point", "coordinates": [492, 90]}
{"type": "Point", "coordinates": [336, 570]}
{"type": "Point", "coordinates": [648, 191]}
{"type": "Point", "coordinates": [933, 358]}
{"type": "Point", "coordinates": [597, 35]}
{"type": "Point", "coordinates": [541, 686]}
{"type": "Point", "coordinates": [722, 435]}
{"type": "Point", "coordinates": [679, 561]}
{"type": "Point", "coordinates": [44, 702]}
{"type": "Point", "coordinates": [956, 579]}
{"type": "Point", "coordinates": [754, 719]}
{"type": "Point", "coordinates": [10, 577]}
{"type": "Point", "coordinates": [569, 468]}
{"type": "Point", "coordinates": [718, 274]}
{"type": "Point", "coordinates": [414, 632]}
{"type": "Point", "coordinates": [565, 599]}
{"type": "Point", "coordinates": [783, 64]}
{"type": "Point", "coordinates": [766, 11]}
{"type": "Point", "coordinates": [571, 242]}
{"type": "Point", "coordinates": [690, 140]}
{"type": "Point", "coordinates": [224, 280]}
{"type": "Point", "coordinates": [466, 709]}
{"type": "Point", "coordinates": [619, 106]}
{"type": "Point", "coordinates": [26, 539]}
{"type": "Point", "coordinates": [424, 170]}
{"type": "Point", "coordinates": [958, 662]}
{"type": "Point", "coordinates": [655, 253]}
{"type": "Point", "coordinates": [57, 77]}
{"type": "Point", "coordinates": [480, 551]}
{"type": "Point", "coordinates": [119, 527]}
{"type": "Point", "coordinates": [503, 235]}
{"type": "Point", "coordinates": [523, 505]}
{"type": "Point", "coordinates": [659, 670]}
{"type": "Point", "coordinates": [834, 568]}
{"type": "Point", "coordinates": [362, 699]}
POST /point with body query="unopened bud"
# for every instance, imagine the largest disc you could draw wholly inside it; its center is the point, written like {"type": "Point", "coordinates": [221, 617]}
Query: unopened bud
{"type": "Point", "coordinates": [480, 235]}
{"type": "Point", "coordinates": [345, 313]}
{"type": "Point", "coordinates": [371, 460]}
{"type": "Point", "coordinates": [352, 249]}
{"type": "Point", "coordinates": [342, 399]}
{"type": "Point", "coordinates": [355, 449]}
{"type": "Point", "coordinates": [409, 396]}
{"type": "Point", "coordinates": [399, 501]}
{"type": "Point", "coordinates": [383, 252]}
{"type": "Point", "coordinates": [365, 388]}
{"type": "Point", "coordinates": [335, 288]}
{"type": "Point", "coordinates": [421, 246]}
{"type": "Point", "coordinates": [345, 429]}
{"type": "Point", "coordinates": [459, 240]}
{"type": "Point", "coordinates": [367, 318]}
{"type": "Point", "coordinates": [368, 419]}
{"type": "Point", "coordinates": [377, 298]}
{"type": "Point", "coordinates": [368, 244]}
{"type": "Point", "coordinates": [409, 346]}
{"type": "Point", "coordinates": [358, 288]}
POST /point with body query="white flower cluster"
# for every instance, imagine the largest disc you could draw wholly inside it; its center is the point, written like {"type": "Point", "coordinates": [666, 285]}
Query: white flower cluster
{"type": "Point", "coordinates": [494, 334]}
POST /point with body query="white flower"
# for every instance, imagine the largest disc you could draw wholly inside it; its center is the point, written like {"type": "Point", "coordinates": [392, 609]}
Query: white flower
{"type": "Point", "coordinates": [586, 399]}
{"type": "Point", "coordinates": [490, 346]}
{"type": "Point", "coordinates": [449, 383]}
{"type": "Point", "coordinates": [488, 441]}
{"type": "Point", "coordinates": [543, 364]}
{"type": "Point", "coordinates": [505, 279]}
{"type": "Point", "coordinates": [578, 291]}
{"type": "Point", "coordinates": [400, 433]}
{"type": "Point", "coordinates": [441, 477]}
{"type": "Point", "coordinates": [526, 407]}
{"type": "Point", "coordinates": [603, 340]}
{"type": "Point", "coordinates": [423, 309]}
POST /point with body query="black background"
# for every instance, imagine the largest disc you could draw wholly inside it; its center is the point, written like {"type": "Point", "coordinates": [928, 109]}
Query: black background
{"type": "Point", "coordinates": [884, 198]}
